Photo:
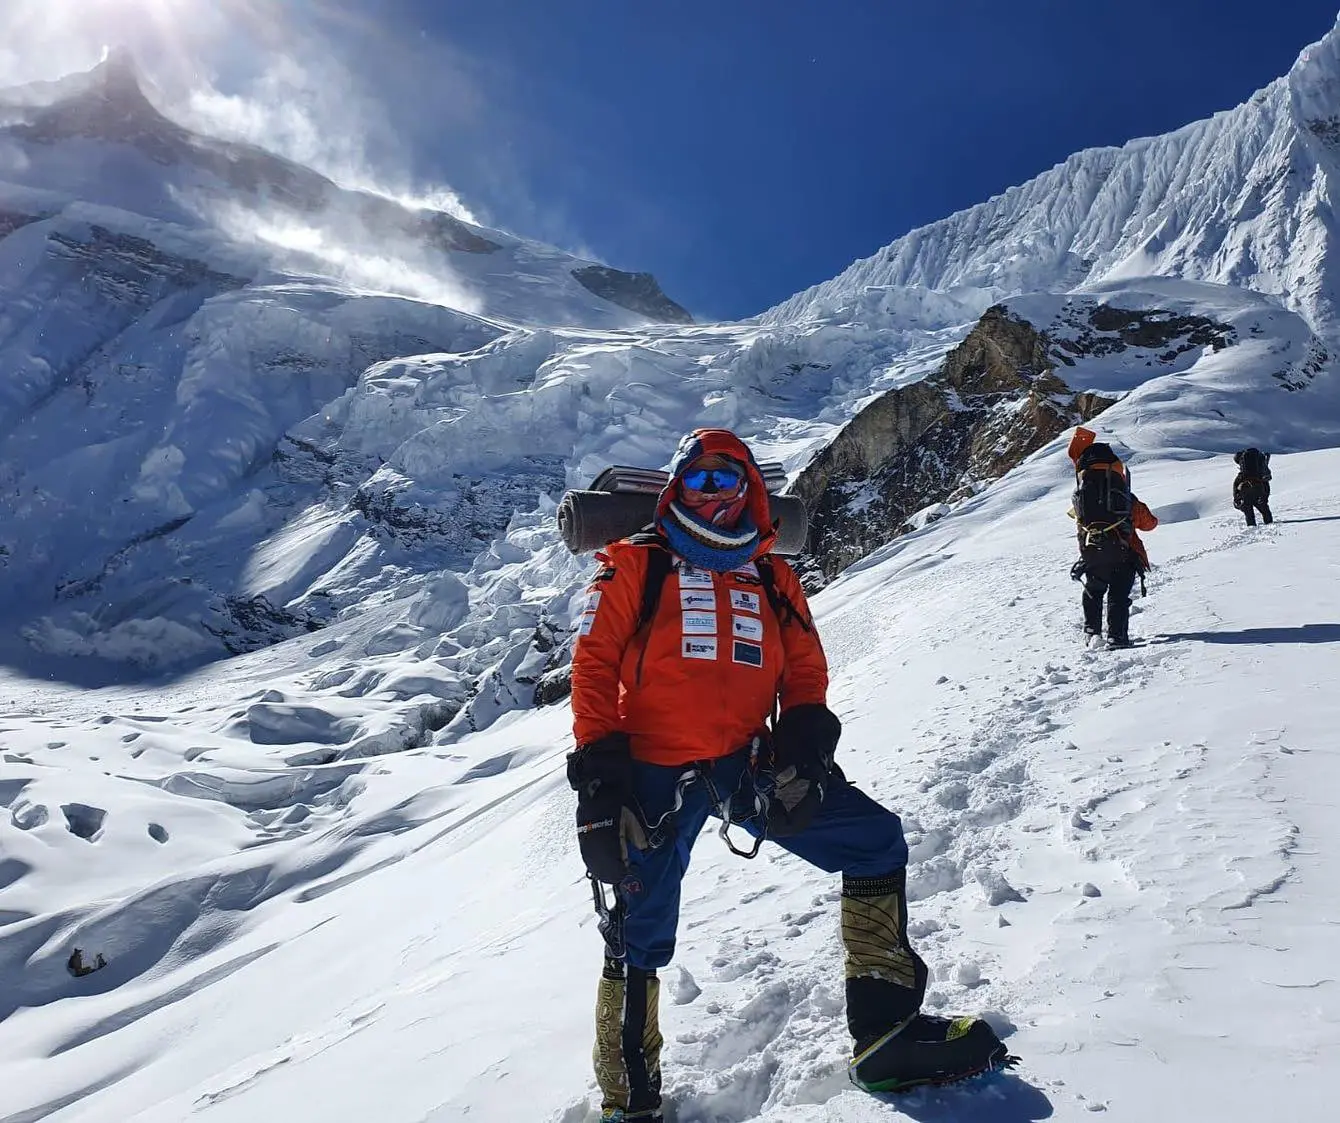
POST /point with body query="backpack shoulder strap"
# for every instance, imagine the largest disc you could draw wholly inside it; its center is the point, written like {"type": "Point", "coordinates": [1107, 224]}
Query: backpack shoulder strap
{"type": "Point", "coordinates": [781, 604]}
{"type": "Point", "coordinates": [659, 566]}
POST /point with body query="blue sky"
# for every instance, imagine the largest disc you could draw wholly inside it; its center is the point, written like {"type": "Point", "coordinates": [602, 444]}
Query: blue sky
{"type": "Point", "coordinates": [741, 150]}
{"type": "Point", "coordinates": [744, 149]}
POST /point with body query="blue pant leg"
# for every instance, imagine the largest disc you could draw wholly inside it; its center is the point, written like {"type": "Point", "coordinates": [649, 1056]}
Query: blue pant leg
{"type": "Point", "coordinates": [851, 834]}
{"type": "Point", "coordinates": [650, 892]}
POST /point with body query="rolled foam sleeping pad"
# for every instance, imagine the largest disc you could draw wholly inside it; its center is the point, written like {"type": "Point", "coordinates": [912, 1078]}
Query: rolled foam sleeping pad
{"type": "Point", "coordinates": [588, 520]}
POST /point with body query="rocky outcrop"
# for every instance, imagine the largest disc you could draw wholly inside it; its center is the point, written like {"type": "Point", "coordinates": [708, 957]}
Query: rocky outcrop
{"type": "Point", "coordinates": [995, 400]}
{"type": "Point", "coordinates": [133, 272]}
{"type": "Point", "coordinates": [638, 292]}
{"type": "Point", "coordinates": [1085, 330]}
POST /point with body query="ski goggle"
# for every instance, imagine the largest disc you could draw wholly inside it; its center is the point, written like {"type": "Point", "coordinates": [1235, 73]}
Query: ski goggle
{"type": "Point", "coordinates": [723, 479]}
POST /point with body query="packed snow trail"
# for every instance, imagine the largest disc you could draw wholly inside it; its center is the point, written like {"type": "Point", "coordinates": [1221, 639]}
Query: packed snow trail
{"type": "Point", "coordinates": [1121, 856]}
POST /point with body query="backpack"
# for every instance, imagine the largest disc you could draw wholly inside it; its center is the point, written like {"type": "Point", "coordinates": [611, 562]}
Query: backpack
{"type": "Point", "coordinates": [1102, 501]}
{"type": "Point", "coordinates": [1253, 463]}
{"type": "Point", "coordinates": [660, 564]}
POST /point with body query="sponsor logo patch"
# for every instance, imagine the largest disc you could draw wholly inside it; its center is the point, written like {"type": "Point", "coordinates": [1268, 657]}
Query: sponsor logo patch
{"type": "Point", "coordinates": [592, 601]}
{"type": "Point", "coordinates": [690, 578]}
{"type": "Point", "coordinates": [750, 654]}
{"type": "Point", "coordinates": [699, 648]}
{"type": "Point", "coordinates": [690, 599]}
{"type": "Point", "coordinates": [749, 569]}
{"type": "Point", "coordinates": [747, 627]}
{"type": "Point", "coordinates": [700, 623]}
{"type": "Point", "coordinates": [586, 623]}
{"type": "Point", "coordinates": [744, 602]}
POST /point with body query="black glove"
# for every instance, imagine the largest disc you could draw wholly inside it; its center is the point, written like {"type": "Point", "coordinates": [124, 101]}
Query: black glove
{"type": "Point", "coordinates": [803, 745]}
{"type": "Point", "coordinates": [601, 774]}
{"type": "Point", "coordinates": [1078, 570]}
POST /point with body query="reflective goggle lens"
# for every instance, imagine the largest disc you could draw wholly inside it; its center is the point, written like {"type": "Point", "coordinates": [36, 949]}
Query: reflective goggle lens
{"type": "Point", "coordinates": [723, 479]}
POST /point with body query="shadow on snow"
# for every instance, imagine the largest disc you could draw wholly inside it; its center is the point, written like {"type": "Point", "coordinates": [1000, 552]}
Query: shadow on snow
{"type": "Point", "coordinates": [1307, 633]}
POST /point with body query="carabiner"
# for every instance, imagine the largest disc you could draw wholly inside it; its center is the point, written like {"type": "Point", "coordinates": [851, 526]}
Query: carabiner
{"type": "Point", "coordinates": [610, 922]}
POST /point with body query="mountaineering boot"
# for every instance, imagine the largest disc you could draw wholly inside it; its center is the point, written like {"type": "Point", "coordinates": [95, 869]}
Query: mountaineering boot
{"type": "Point", "coordinates": [929, 1050]}
{"type": "Point", "coordinates": [896, 1046]}
{"type": "Point", "coordinates": [627, 1053]}
{"type": "Point", "coordinates": [886, 979]}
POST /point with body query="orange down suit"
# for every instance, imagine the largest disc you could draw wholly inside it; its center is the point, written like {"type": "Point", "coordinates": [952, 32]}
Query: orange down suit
{"type": "Point", "coordinates": [703, 677]}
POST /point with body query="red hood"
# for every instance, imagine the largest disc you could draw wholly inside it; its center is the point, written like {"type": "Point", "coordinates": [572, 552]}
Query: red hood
{"type": "Point", "coordinates": [722, 442]}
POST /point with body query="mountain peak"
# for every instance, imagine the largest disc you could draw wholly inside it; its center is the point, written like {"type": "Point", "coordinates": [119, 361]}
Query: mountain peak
{"type": "Point", "coordinates": [117, 74]}
{"type": "Point", "coordinates": [109, 104]}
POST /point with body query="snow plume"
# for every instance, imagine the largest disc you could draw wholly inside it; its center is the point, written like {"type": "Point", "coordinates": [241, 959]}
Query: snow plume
{"type": "Point", "coordinates": [307, 84]}
{"type": "Point", "coordinates": [399, 266]}
{"type": "Point", "coordinates": [308, 106]}
{"type": "Point", "coordinates": [47, 39]}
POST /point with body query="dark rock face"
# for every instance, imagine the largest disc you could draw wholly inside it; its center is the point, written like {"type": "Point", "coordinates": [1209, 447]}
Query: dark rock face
{"type": "Point", "coordinates": [135, 273]}
{"type": "Point", "coordinates": [638, 292]}
{"type": "Point", "coordinates": [106, 281]}
{"type": "Point", "coordinates": [243, 624]}
{"type": "Point", "coordinates": [994, 402]}
{"type": "Point", "coordinates": [554, 686]}
{"type": "Point", "coordinates": [1103, 330]}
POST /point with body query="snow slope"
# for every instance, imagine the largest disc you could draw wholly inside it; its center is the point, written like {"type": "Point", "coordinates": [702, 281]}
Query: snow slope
{"type": "Point", "coordinates": [1121, 857]}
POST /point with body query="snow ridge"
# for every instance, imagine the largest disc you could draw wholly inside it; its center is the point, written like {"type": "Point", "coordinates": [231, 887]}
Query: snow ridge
{"type": "Point", "coordinates": [1245, 198]}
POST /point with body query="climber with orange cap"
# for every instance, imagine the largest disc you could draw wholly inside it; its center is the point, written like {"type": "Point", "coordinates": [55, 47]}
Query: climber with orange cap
{"type": "Point", "coordinates": [699, 690]}
{"type": "Point", "coordinates": [1108, 520]}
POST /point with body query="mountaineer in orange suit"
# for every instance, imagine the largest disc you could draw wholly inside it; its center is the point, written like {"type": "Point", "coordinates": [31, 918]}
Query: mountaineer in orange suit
{"type": "Point", "coordinates": [1108, 518]}
{"type": "Point", "coordinates": [692, 638]}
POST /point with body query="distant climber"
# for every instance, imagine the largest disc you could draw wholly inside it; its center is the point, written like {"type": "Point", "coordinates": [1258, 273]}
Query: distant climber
{"type": "Point", "coordinates": [1251, 487]}
{"type": "Point", "coordinates": [692, 636]}
{"type": "Point", "coordinates": [1108, 518]}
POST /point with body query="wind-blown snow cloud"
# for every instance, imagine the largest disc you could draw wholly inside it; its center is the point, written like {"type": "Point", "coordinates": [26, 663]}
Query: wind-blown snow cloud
{"type": "Point", "coordinates": [281, 78]}
{"type": "Point", "coordinates": [402, 268]}
{"type": "Point", "coordinates": [303, 81]}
